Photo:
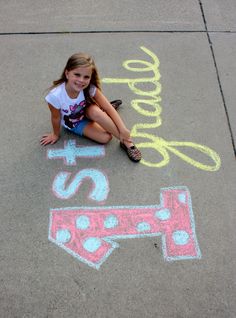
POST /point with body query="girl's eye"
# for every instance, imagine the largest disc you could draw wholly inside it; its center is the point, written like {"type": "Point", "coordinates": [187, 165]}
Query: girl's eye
{"type": "Point", "coordinates": [79, 75]}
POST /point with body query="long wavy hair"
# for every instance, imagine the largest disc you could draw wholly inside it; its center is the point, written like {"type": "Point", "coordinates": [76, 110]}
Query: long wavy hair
{"type": "Point", "coordinates": [80, 60]}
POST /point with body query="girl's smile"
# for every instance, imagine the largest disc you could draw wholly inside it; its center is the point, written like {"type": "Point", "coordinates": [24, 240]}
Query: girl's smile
{"type": "Point", "coordinates": [77, 80]}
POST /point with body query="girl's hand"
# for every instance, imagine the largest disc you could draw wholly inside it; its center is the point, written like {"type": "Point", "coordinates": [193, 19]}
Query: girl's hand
{"type": "Point", "coordinates": [49, 139]}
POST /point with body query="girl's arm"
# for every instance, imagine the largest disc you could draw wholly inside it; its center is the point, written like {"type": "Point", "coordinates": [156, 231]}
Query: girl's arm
{"type": "Point", "coordinates": [107, 107]}
{"type": "Point", "coordinates": [53, 137]}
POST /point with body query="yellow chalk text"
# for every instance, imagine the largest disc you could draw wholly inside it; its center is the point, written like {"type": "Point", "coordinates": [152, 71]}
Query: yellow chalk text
{"type": "Point", "coordinates": [152, 99]}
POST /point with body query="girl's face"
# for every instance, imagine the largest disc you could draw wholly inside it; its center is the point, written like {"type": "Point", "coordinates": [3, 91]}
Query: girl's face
{"type": "Point", "coordinates": [78, 79]}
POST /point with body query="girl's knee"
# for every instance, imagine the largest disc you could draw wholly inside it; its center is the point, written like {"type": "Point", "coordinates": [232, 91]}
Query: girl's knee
{"type": "Point", "coordinates": [106, 138]}
{"type": "Point", "coordinates": [94, 112]}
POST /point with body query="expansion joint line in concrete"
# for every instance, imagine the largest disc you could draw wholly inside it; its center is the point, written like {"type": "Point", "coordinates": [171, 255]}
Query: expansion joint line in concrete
{"type": "Point", "coordinates": [112, 32]}
{"type": "Point", "coordinates": [218, 76]}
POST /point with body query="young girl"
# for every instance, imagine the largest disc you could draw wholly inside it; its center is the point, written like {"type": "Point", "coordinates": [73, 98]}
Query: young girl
{"type": "Point", "coordinates": [77, 103]}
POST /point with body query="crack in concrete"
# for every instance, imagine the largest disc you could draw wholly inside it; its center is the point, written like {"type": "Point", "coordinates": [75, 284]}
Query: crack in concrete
{"type": "Point", "coordinates": [218, 76]}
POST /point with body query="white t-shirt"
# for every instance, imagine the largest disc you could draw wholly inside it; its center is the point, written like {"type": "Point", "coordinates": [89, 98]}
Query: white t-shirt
{"type": "Point", "coordinates": [72, 109]}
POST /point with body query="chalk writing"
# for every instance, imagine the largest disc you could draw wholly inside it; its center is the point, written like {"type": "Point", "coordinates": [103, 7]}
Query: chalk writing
{"type": "Point", "coordinates": [71, 152]}
{"type": "Point", "coordinates": [160, 145]}
{"type": "Point", "coordinates": [88, 233]}
{"type": "Point", "coordinates": [99, 190]}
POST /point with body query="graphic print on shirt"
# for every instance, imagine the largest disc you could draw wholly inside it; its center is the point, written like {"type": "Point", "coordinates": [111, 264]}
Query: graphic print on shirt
{"type": "Point", "coordinates": [77, 114]}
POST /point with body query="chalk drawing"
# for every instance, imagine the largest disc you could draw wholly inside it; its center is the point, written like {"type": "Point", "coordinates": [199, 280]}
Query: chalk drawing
{"type": "Point", "coordinates": [99, 191]}
{"type": "Point", "coordinates": [89, 233]}
{"type": "Point", "coordinates": [163, 147]}
{"type": "Point", "coordinates": [71, 152]}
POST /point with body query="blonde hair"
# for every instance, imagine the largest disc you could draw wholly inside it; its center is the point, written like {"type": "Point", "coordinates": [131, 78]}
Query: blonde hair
{"type": "Point", "coordinates": [80, 60]}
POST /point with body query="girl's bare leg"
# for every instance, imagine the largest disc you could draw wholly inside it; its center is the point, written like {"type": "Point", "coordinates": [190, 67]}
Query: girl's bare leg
{"type": "Point", "coordinates": [102, 128]}
{"type": "Point", "coordinates": [99, 116]}
{"type": "Point", "coordinates": [95, 132]}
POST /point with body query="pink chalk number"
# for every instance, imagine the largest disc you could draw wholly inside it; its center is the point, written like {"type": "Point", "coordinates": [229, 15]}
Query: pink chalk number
{"type": "Point", "coordinates": [90, 233]}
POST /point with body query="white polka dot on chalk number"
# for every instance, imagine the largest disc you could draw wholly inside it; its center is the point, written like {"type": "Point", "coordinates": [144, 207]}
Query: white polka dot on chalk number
{"type": "Point", "coordinates": [180, 237]}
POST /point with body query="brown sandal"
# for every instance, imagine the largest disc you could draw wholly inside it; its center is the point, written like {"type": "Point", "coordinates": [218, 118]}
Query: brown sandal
{"type": "Point", "coordinates": [133, 152]}
{"type": "Point", "coordinates": [116, 103]}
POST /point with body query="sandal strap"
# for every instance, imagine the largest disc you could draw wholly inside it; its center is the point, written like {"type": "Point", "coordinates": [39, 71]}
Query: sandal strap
{"type": "Point", "coordinates": [133, 152]}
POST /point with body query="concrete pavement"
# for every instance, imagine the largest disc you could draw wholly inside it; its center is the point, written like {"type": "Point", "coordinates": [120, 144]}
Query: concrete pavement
{"type": "Point", "coordinates": [180, 262]}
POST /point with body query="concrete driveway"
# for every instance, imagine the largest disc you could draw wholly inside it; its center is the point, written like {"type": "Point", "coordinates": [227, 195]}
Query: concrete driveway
{"type": "Point", "coordinates": [84, 231]}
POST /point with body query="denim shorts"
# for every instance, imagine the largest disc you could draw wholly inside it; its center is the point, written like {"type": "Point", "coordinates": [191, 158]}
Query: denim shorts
{"type": "Point", "coordinates": [79, 128]}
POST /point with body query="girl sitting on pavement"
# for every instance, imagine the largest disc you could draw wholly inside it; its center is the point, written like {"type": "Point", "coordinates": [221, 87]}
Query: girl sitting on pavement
{"type": "Point", "coordinates": [77, 103]}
